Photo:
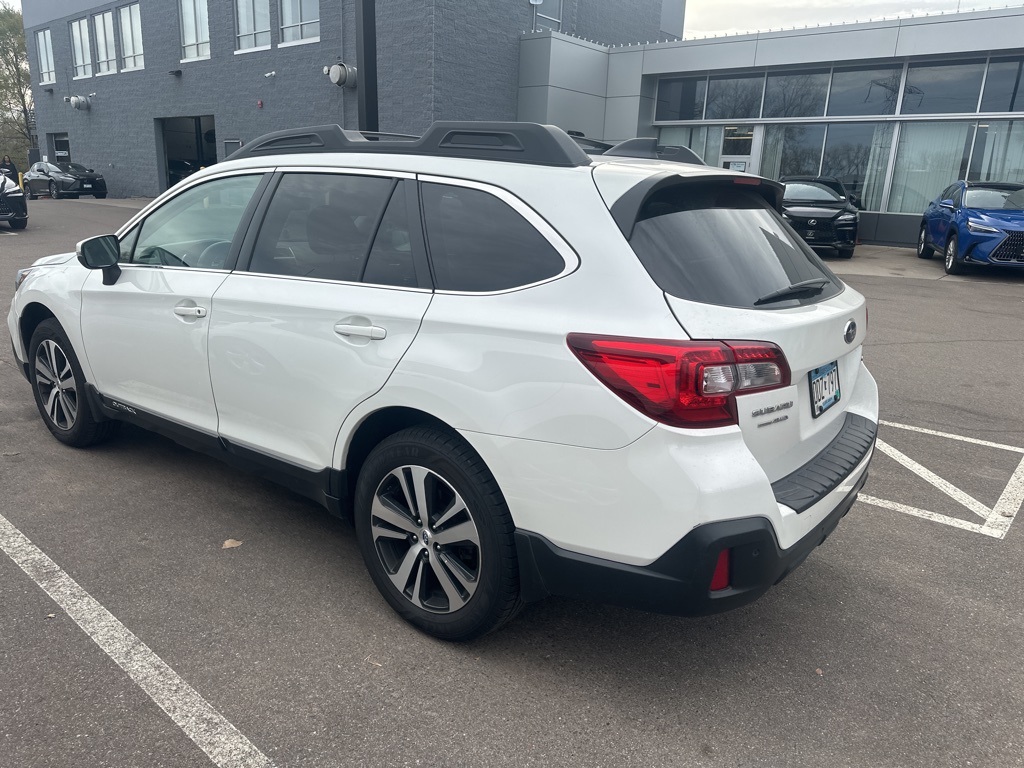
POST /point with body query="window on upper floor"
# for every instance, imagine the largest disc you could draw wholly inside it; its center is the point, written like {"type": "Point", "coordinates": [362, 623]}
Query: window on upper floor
{"type": "Point", "coordinates": [300, 20]}
{"type": "Point", "coordinates": [44, 50]}
{"type": "Point", "coordinates": [549, 15]}
{"type": "Point", "coordinates": [106, 52]}
{"type": "Point", "coordinates": [865, 90]}
{"type": "Point", "coordinates": [131, 37]}
{"type": "Point", "coordinates": [253, 24]}
{"type": "Point", "coordinates": [81, 52]}
{"type": "Point", "coordinates": [1004, 86]}
{"type": "Point", "coordinates": [943, 88]}
{"type": "Point", "coordinates": [195, 30]}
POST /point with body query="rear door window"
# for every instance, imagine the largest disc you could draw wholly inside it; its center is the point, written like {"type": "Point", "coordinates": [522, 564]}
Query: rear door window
{"type": "Point", "coordinates": [721, 244]}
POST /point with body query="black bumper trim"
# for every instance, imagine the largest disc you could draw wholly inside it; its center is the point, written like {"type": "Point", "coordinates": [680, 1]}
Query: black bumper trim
{"type": "Point", "coordinates": [805, 487]}
{"type": "Point", "coordinates": [677, 582]}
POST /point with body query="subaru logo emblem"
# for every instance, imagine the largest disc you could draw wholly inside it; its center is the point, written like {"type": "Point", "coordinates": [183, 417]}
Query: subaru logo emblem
{"type": "Point", "coordinates": [850, 333]}
{"type": "Point", "coordinates": [812, 223]}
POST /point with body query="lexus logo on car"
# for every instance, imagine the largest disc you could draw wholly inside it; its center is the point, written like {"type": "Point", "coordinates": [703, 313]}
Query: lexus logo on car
{"type": "Point", "coordinates": [850, 333]}
{"type": "Point", "coordinates": [812, 223]}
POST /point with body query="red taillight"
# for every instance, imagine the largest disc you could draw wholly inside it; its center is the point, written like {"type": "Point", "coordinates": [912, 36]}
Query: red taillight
{"type": "Point", "coordinates": [682, 383]}
{"type": "Point", "coordinates": [720, 579]}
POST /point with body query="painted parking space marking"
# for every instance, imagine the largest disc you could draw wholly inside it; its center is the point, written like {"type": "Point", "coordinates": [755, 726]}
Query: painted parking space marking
{"type": "Point", "coordinates": [220, 740]}
{"type": "Point", "coordinates": [996, 520]}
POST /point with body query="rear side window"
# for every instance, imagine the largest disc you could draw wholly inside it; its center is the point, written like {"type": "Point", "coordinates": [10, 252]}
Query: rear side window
{"type": "Point", "coordinates": [719, 244]}
{"type": "Point", "coordinates": [478, 243]}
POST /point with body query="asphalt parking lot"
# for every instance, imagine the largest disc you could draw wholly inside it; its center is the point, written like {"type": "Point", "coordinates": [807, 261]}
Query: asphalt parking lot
{"type": "Point", "coordinates": [898, 643]}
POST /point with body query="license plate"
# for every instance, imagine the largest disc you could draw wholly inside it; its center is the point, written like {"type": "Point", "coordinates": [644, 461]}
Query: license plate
{"type": "Point", "coordinates": [824, 388]}
{"type": "Point", "coordinates": [809, 235]}
{"type": "Point", "coordinates": [87, 185]}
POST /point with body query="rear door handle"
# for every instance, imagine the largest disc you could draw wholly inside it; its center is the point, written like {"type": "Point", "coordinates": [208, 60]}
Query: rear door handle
{"type": "Point", "coordinates": [374, 332]}
{"type": "Point", "coordinates": [190, 311]}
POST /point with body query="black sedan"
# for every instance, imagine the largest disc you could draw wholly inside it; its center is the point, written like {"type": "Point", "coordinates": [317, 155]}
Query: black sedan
{"type": "Point", "coordinates": [13, 208]}
{"type": "Point", "coordinates": [63, 180]}
{"type": "Point", "coordinates": [821, 216]}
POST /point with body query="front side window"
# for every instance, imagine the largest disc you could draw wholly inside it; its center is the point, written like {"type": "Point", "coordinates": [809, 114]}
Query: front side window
{"type": "Point", "coordinates": [81, 51]}
{"type": "Point", "coordinates": [106, 55]}
{"type": "Point", "coordinates": [131, 37]}
{"type": "Point", "coordinates": [478, 243]}
{"type": "Point", "coordinates": [300, 20]}
{"type": "Point", "coordinates": [720, 244]}
{"type": "Point", "coordinates": [44, 50]}
{"type": "Point", "coordinates": [195, 228]}
{"type": "Point", "coordinates": [195, 30]}
{"type": "Point", "coordinates": [253, 19]}
{"type": "Point", "coordinates": [320, 226]}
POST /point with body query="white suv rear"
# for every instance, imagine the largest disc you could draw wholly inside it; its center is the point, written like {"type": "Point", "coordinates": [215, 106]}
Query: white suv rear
{"type": "Point", "coordinates": [520, 370]}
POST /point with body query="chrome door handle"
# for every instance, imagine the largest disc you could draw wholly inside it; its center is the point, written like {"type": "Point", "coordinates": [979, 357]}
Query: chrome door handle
{"type": "Point", "coordinates": [190, 311]}
{"type": "Point", "coordinates": [374, 332]}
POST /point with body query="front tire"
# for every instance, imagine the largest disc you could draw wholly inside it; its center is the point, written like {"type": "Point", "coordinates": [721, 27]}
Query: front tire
{"type": "Point", "coordinates": [924, 251]}
{"type": "Point", "coordinates": [953, 265]}
{"type": "Point", "coordinates": [54, 191]}
{"type": "Point", "coordinates": [59, 389]}
{"type": "Point", "coordinates": [18, 223]}
{"type": "Point", "coordinates": [845, 253]}
{"type": "Point", "coordinates": [101, 196]}
{"type": "Point", "coordinates": [436, 535]}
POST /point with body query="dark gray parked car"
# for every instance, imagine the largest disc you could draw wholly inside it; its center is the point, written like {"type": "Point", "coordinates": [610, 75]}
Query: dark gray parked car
{"type": "Point", "coordinates": [63, 180]}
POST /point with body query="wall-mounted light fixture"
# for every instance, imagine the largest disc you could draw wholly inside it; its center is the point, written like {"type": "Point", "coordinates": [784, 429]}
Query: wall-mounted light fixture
{"type": "Point", "coordinates": [342, 75]}
{"type": "Point", "coordinates": [175, 72]}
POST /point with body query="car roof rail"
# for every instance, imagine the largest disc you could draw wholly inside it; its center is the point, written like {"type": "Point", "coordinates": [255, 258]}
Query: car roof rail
{"type": "Point", "coordinates": [528, 143]}
{"type": "Point", "coordinates": [649, 148]}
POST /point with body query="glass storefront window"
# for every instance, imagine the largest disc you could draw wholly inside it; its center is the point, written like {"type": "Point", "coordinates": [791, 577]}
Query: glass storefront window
{"type": "Point", "coordinates": [942, 88]}
{"type": "Point", "coordinates": [792, 150]}
{"type": "Point", "coordinates": [737, 139]}
{"type": "Point", "coordinates": [713, 151]}
{"type": "Point", "coordinates": [1004, 87]}
{"type": "Point", "coordinates": [858, 154]}
{"type": "Point", "coordinates": [998, 152]}
{"type": "Point", "coordinates": [929, 156]}
{"type": "Point", "coordinates": [692, 136]}
{"type": "Point", "coordinates": [681, 98]}
{"type": "Point", "coordinates": [796, 94]}
{"type": "Point", "coordinates": [865, 91]}
{"type": "Point", "coordinates": [734, 98]}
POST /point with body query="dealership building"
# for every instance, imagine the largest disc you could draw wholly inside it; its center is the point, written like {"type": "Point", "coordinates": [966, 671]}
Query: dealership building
{"type": "Point", "coordinates": [897, 109]}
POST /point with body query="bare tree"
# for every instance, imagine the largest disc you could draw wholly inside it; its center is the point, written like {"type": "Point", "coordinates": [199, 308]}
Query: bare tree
{"type": "Point", "coordinates": [15, 91]}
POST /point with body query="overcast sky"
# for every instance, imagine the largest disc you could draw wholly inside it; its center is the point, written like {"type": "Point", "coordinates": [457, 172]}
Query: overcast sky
{"type": "Point", "coordinates": [717, 17]}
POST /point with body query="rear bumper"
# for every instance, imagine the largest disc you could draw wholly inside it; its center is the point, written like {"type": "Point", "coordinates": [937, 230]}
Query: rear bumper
{"type": "Point", "coordinates": [677, 583]}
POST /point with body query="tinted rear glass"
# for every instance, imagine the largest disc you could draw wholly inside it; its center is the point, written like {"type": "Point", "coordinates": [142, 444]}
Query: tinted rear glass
{"type": "Point", "coordinates": [720, 244]}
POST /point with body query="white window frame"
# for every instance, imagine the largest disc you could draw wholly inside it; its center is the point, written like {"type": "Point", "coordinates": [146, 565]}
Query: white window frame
{"type": "Point", "coordinates": [130, 21]}
{"type": "Point", "coordinates": [106, 48]}
{"type": "Point", "coordinates": [44, 55]}
{"type": "Point", "coordinates": [555, 22]}
{"type": "Point", "coordinates": [253, 42]}
{"type": "Point", "coordinates": [199, 48]}
{"type": "Point", "coordinates": [81, 48]}
{"type": "Point", "coordinates": [301, 25]}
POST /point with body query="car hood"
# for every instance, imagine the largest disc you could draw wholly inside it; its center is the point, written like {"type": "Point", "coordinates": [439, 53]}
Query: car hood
{"type": "Point", "coordinates": [49, 261]}
{"type": "Point", "coordinates": [83, 176]}
{"type": "Point", "coordinates": [996, 218]}
{"type": "Point", "coordinates": [7, 184]}
{"type": "Point", "coordinates": [814, 210]}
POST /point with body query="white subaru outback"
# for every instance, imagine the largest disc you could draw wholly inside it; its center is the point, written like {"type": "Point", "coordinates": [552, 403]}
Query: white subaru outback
{"type": "Point", "coordinates": [520, 370]}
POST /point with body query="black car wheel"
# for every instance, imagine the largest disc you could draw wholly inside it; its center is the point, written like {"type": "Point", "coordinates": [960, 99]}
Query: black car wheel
{"type": "Point", "coordinates": [101, 196]}
{"type": "Point", "coordinates": [59, 389]}
{"type": "Point", "coordinates": [846, 253]}
{"type": "Point", "coordinates": [924, 251]}
{"type": "Point", "coordinates": [54, 190]}
{"type": "Point", "coordinates": [436, 534]}
{"type": "Point", "coordinates": [953, 264]}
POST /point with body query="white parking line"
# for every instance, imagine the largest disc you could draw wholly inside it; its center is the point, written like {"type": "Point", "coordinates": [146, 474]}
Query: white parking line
{"type": "Point", "coordinates": [218, 738]}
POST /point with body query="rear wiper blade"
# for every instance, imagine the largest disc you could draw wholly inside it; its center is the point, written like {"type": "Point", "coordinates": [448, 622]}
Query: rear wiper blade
{"type": "Point", "coordinates": [810, 287]}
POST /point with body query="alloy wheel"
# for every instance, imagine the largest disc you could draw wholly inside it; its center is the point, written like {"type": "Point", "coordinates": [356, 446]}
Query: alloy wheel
{"type": "Point", "coordinates": [920, 242]}
{"type": "Point", "coordinates": [54, 192]}
{"type": "Point", "coordinates": [426, 539]}
{"type": "Point", "coordinates": [55, 380]}
{"type": "Point", "coordinates": [951, 254]}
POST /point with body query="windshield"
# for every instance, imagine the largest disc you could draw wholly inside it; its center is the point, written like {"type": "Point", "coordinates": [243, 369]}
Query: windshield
{"type": "Point", "coordinates": [72, 167]}
{"type": "Point", "coordinates": [719, 244]}
{"type": "Point", "coordinates": [994, 199]}
{"type": "Point", "coordinates": [810, 190]}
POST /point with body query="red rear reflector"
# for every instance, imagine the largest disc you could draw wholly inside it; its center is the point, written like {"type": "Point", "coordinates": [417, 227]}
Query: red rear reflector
{"type": "Point", "coordinates": [682, 383]}
{"type": "Point", "coordinates": [753, 182]}
{"type": "Point", "coordinates": [720, 579]}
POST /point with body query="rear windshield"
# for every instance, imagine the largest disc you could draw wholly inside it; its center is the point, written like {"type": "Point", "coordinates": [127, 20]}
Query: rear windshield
{"type": "Point", "coordinates": [721, 244]}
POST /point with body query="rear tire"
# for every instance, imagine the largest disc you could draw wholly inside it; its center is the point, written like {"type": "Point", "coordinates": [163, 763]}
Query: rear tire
{"type": "Point", "coordinates": [59, 389]}
{"type": "Point", "coordinates": [101, 197]}
{"type": "Point", "coordinates": [54, 191]}
{"type": "Point", "coordinates": [924, 251]}
{"type": "Point", "coordinates": [436, 534]}
{"type": "Point", "coordinates": [953, 265]}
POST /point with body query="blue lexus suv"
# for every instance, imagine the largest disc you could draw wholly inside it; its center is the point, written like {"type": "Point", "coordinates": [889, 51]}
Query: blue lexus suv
{"type": "Point", "coordinates": [975, 222]}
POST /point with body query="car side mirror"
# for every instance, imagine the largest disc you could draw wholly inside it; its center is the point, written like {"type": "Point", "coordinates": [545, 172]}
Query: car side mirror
{"type": "Point", "coordinates": [91, 170]}
{"type": "Point", "coordinates": [855, 201]}
{"type": "Point", "coordinates": [101, 253]}
{"type": "Point", "coordinates": [947, 204]}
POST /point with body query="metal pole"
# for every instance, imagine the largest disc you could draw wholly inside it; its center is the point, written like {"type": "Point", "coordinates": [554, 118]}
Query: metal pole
{"type": "Point", "coordinates": [366, 63]}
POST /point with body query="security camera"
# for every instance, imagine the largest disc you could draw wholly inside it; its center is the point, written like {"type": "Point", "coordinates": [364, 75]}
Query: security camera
{"type": "Point", "coordinates": [271, 74]}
